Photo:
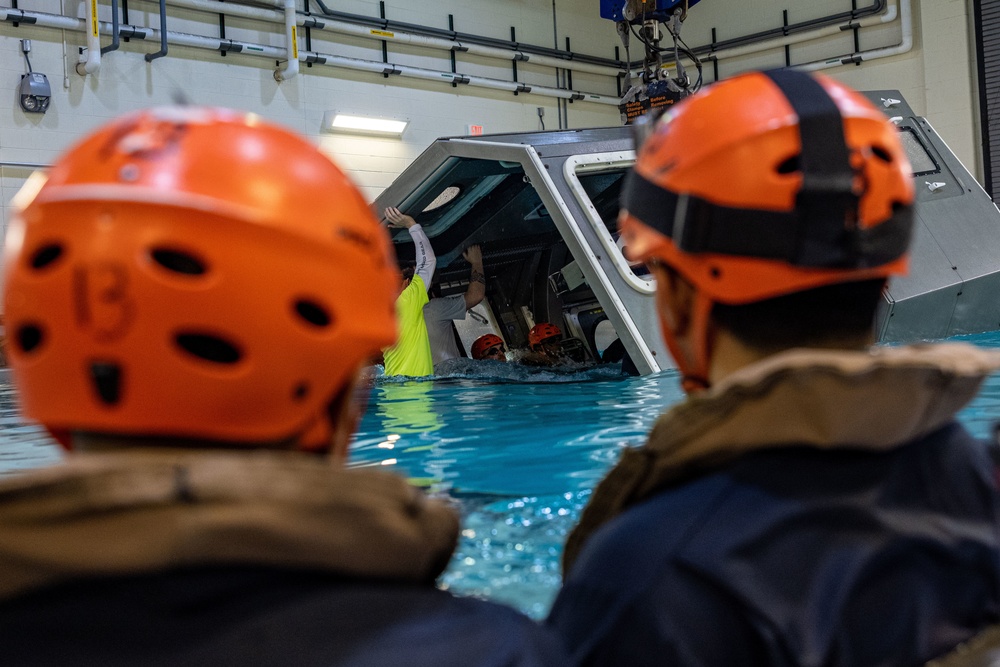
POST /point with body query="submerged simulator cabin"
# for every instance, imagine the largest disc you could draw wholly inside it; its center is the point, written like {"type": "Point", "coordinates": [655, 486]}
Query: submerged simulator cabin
{"type": "Point", "coordinates": [543, 206]}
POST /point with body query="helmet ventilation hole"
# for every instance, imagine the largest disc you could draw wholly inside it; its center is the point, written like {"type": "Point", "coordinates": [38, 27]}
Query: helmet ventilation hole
{"type": "Point", "coordinates": [29, 337]}
{"type": "Point", "coordinates": [882, 154]}
{"type": "Point", "coordinates": [715, 272]}
{"type": "Point", "coordinates": [313, 313]}
{"type": "Point", "coordinates": [46, 255]}
{"type": "Point", "coordinates": [300, 391]}
{"type": "Point", "coordinates": [209, 347]}
{"type": "Point", "coordinates": [178, 261]}
{"type": "Point", "coordinates": [107, 379]}
{"type": "Point", "coordinates": [788, 166]}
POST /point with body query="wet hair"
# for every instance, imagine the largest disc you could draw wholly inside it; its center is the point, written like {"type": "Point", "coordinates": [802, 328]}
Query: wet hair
{"type": "Point", "coordinates": [832, 315]}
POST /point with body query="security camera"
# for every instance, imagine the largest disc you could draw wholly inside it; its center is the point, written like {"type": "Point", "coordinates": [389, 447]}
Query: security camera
{"type": "Point", "coordinates": [34, 92]}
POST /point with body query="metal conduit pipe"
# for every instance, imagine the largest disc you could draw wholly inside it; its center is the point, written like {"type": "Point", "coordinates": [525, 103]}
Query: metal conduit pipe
{"type": "Point", "coordinates": [452, 77]}
{"type": "Point", "coordinates": [875, 8]}
{"type": "Point", "coordinates": [291, 67]}
{"type": "Point", "coordinates": [150, 57]}
{"type": "Point", "coordinates": [568, 60]}
{"type": "Point", "coordinates": [90, 59]}
{"type": "Point", "coordinates": [356, 30]}
{"type": "Point", "coordinates": [465, 47]}
{"type": "Point", "coordinates": [792, 34]}
{"type": "Point", "coordinates": [888, 17]}
{"type": "Point", "coordinates": [113, 46]}
{"type": "Point", "coordinates": [904, 46]}
{"type": "Point", "coordinates": [215, 44]}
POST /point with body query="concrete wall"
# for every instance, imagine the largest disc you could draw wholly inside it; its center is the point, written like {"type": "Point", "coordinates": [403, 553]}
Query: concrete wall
{"type": "Point", "coordinates": [936, 76]}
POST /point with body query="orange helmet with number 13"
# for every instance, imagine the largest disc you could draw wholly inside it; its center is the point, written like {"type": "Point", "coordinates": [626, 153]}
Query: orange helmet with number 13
{"type": "Point", "coordinates": [188, 272]}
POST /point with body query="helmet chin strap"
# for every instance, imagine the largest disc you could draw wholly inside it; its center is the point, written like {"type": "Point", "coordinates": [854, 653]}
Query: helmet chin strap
{"type": "Point", "coordinates": [691, 350]}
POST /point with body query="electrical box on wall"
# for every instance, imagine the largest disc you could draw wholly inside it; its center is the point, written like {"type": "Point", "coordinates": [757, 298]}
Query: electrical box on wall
{"type": "Point", "coordinates": [34, 92]}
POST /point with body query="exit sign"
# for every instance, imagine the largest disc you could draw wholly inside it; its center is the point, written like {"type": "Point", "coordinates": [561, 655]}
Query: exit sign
{"type": "Point", "coordinates": [475, 130]}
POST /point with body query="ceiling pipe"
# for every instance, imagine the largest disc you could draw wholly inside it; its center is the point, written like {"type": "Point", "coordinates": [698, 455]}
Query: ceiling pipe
{"type": "Point", "coordinates": [471, 48]}
{"type": "Point", "coordinates": [356, 30]}
{"type": "Point", "coordinates": [291, 67]}
{"type": "Point", "coordinates": [406, 71]}
{"type": "Point", "coordinates": [215, 44]}
{"type": "Point", "coordinates": [904, 46]}
{"type": "Point", "coordinates": [736, 52]}
{"type": "Point", "coordinates": [90, 57]}
{"type": "Point", "coordinates": [795, 34]}
{"type": "Point", "coordinates": [876, 8]}
{"type": "Point", "coordinates": [567, 59]}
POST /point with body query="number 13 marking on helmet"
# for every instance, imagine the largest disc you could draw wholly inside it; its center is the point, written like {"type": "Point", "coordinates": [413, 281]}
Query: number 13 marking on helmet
{"type": "Point", "coordinates": [101, 300]}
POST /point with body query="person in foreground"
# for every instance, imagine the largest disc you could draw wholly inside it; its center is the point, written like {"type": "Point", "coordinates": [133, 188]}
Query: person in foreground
{"type": "Point", "coordinates": [813, 501]}
{"type": "Point", "coordinates": [411, 354]}
{"type": "Point", "coordinates": [183, 322]}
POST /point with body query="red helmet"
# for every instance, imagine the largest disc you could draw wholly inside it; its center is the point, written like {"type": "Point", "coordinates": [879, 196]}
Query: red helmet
{"type": "Point", "coordinates": [191, 272]}
{"type": "Point", "coordinates": [766, 184]}
{"type": "Point", "coordinates": [483, 343]}
{"type": "Point", "coordinates": [542, 332]}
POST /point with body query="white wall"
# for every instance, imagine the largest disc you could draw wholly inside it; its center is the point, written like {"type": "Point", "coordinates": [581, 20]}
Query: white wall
{"type": "Point", "coordinates": [935, 77]}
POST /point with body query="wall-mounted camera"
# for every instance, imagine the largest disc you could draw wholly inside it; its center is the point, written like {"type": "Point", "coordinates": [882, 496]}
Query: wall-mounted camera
{"type": "Point", "coordinates": [34, 92]}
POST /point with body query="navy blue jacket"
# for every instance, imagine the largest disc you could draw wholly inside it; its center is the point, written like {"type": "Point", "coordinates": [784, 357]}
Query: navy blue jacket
{"type": "Point", "coordinates": [263, 616]}
{"type": "Point", "coordinates": [796, 556]}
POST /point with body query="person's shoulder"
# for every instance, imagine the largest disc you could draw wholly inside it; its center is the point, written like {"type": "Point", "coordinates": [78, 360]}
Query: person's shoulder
{"type": "Point", "coordinates": [673, 514]}
{"type": "Point", "coordinates": [415, 293]}
{"type": "Point", "coordinates": [456, 630]}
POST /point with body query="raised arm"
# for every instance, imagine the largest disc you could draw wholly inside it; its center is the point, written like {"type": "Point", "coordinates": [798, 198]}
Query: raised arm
{"type": "Point", "coordinates": [477, 277]}
{"type": "Point", "coordinates": [426, 260]}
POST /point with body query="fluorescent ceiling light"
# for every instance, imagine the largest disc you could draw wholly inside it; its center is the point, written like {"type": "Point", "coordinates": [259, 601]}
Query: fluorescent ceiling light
{"type": "Point", "coordinates": [339, 122]}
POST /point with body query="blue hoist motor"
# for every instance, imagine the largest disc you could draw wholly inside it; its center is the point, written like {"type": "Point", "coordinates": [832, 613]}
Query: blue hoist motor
{"type": "Point", "coordinates": [636, 11]}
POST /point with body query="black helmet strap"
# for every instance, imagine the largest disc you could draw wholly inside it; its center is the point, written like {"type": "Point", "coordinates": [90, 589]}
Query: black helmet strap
{"type": "Point", "coordinates": [826, 202]}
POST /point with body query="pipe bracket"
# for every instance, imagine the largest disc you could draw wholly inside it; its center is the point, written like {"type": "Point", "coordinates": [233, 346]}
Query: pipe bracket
{"type": "Point", "coordinates": [25, 19]}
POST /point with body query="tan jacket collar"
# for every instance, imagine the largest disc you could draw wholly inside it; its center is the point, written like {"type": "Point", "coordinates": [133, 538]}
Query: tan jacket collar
{"type": "Point", "coordinates": [874, 400]}
{"type": "Point", "coordinates": [823, 398]}
{"type": "Point", "coordinates": [145, 510]}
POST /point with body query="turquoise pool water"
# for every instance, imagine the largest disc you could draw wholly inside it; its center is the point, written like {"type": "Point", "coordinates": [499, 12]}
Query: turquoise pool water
{"type": "Point", "coordinates": [516, 451]}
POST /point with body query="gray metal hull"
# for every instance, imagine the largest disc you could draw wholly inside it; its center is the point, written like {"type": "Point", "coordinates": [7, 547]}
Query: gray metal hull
{"type": "Point", "coordinates": [543, 207]}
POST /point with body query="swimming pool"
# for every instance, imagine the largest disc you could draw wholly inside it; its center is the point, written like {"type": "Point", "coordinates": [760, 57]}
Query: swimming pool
{"type": "Point", "coordinates": [517, 453]}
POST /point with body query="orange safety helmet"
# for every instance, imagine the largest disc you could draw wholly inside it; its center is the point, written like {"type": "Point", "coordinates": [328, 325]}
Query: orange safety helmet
{"type": "Point", "coordinates": [483, 343]}
{"type": "Point", "coordinates": [766, 184]}
{"type": "Point", "coordinates": [192, 272]}
{"type": "Point", "coordinates": [541, 332]}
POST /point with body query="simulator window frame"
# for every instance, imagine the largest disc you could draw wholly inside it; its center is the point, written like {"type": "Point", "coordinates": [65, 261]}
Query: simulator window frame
{"type": "Point", "coordinates": [916, 147]}
{"type": "Point", "coordinates": [576, 169]}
